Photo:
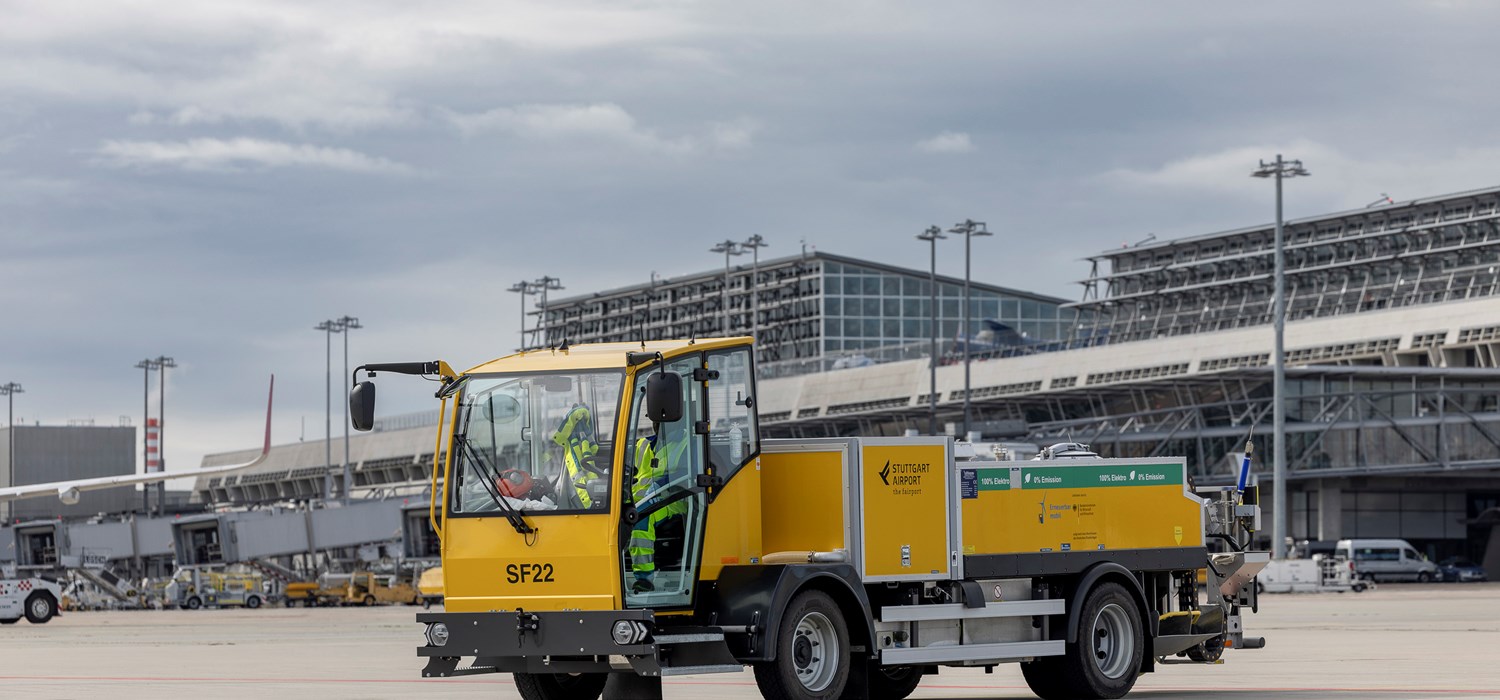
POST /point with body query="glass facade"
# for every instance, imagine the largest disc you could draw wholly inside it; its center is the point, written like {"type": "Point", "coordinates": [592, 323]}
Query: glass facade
{"type": "Point", "coordinates": [865, 307]}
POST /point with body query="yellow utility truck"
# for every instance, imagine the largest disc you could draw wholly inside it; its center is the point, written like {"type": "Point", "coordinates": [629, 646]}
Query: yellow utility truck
{"type": "Point", "coordinates": [357, 588]}
{"type": "Point", "coordinates": [610, 514]}
{"type": "Point", "coordinates": [430, 586]}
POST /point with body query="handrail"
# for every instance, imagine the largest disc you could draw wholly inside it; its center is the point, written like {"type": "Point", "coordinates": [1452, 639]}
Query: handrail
{"type": "Point", "coordinates": [437, 450]}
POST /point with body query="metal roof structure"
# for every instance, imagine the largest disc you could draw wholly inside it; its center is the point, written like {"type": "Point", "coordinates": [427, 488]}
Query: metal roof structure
{"type": "Point", "coordinates": [1422, 251]}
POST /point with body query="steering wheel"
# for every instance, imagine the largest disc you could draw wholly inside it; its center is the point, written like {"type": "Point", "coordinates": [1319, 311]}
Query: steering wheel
{"type": "Point", "coordinates": [591, 464]}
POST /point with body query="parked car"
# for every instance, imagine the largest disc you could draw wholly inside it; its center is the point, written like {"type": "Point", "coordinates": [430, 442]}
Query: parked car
{"type": "Point", "coordinates": [1460, 569]}
{"type": "Point", "coordinates": [1387, 560]}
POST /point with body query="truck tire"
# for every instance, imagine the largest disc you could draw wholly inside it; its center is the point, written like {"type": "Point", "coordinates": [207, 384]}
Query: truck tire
{"type": "Point", "coordinates": [1106, 659]}
{"type": "Point", "coordinates": [894, 682]}
{"type": "Point", "coordinates": [560, 686]}
{"type": "Point", "coordinates": [252, 602]}
{"type": "Point", "coordinates": [1424, 577]}
{"type": "Point", "coordinates": [194, 602]}
{"type": "Point", "coordinates": [1044, 676]}
{"type": "Point", "coordinates": [40, 607]}
{"type": "Point", "coordinates": [369, 601]}
{"type": "Point", "coordinates": [811, 659]}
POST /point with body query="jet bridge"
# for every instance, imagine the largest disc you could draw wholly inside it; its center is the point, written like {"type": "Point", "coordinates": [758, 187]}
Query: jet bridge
{"type": "Point", "coordinates": [245, 536]}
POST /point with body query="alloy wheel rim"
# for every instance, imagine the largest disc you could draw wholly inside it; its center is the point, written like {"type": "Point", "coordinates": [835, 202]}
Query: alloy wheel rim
{"type": "Point", "coordinates": [1114, 646]}
{"type": "Point", "coordinates": [815, 650]}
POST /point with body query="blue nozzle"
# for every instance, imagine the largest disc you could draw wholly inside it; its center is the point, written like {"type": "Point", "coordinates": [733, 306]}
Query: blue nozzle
{"type": "Point", "coordinates": [1245, 466]}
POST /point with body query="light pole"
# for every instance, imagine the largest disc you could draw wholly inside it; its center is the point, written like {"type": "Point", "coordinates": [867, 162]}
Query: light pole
{"type": "Point", "coordinates": [524, 289]}
{"type": "Point", "coordinates": [346, 324]}
{"type": "Point", "coordinates": [728, 248]}
{"type": "Point", "coordinates": [10, 389]}
{"type": "Point", "coordinates": [932, 235]}
{"type": "Point", "coordinates": [650, 292]}
{"type": "Point", "coordinates": [754, 243]}
{"type": "Point", "coordinates": [543, 285]}
{"type": "Point", "coordinates": [1280, 170]}
{"type": "Point", "coordinates": [147, 364]}
{"type": "Point", "coordinates": [163, 363]}
{"type": "Point", "coordinates": [328, 327]}
{"type": "Point", "coordinates": [969, 228]}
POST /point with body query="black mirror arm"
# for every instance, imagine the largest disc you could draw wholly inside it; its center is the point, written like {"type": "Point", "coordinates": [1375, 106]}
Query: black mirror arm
{"type": "Point", "coordinates": [437, 367]}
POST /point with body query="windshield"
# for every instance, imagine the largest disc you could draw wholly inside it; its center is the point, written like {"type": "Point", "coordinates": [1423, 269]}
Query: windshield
{"type": "Point", "coordinates": [540, 442]}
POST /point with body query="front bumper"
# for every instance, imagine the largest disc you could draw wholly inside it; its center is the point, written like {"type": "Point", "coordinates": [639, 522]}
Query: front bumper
{"type": "Point", "coordinates": [540, 642]}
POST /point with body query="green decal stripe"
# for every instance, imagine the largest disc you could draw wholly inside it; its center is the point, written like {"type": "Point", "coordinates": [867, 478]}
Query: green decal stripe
{"type": "Point", "coordinates": [993, 479]}
{"type": "Point", "coordinates": [1082, 476]}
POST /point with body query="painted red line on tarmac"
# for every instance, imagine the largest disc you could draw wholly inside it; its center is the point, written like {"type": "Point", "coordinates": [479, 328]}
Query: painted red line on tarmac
{"type": "Point", "coordinates": [1189, 689]}
{"type": "Point", "coordinates": [927, 686]}
{"type": "Point", "coordinates": [159, 679]}
{"type": "Point", "coordinates": [1450, 691]}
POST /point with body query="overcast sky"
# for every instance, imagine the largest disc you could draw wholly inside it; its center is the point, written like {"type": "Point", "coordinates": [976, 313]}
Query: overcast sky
{"type": "Point", "coordinates": [209, 180]}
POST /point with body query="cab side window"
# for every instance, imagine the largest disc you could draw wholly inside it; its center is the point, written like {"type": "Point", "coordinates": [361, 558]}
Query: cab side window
{"type": "Point", "coordinates": [732, 439]}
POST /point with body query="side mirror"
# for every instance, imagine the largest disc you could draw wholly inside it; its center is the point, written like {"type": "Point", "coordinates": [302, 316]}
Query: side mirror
{"type": "Point", "coordinates": [664, 398]}
{"type": "Point", "coordinates": [362, 406]}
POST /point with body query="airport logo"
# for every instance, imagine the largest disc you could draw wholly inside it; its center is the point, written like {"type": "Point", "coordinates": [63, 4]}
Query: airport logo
{"type": "Point", "coordinates": [904, 478]}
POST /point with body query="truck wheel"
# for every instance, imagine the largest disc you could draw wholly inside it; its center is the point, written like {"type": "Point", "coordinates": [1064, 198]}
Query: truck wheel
{"type": "Point", "coordinates": [194, 602]}
{"type": "Point", "coordinates": [1044, 676]}
{"type": "Point", "coordinates": [560, 686]}
{"type": "Point", "coordinates": [894, 682]}
{"type": "Point", "coordinates": [252, 602]}
{"type": "Point", "coordinates": [40, 607]}
{"type": "Point", "coordinates": [1424, 577]}
{"type": "Point", "coordinates": [811, 659]}
{"type": "Point", "coordinates": [369, 600]}
{"type": "Point", "coordinates": [1106, 660]}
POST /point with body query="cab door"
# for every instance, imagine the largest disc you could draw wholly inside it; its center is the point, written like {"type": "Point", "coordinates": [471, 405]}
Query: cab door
{"type": "Point", "coordinates": [662, 548]}
{"type": "Point", "coordinates": [680, 467]}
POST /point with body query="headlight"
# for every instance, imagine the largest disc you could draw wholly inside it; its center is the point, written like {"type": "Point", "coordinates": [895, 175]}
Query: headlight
{"type": "Point", "coordinates": [437, 634]}
{"type": "Point", "coordinates": [628, 632]}
{"type": "Point", "coordinates": [622, 632]}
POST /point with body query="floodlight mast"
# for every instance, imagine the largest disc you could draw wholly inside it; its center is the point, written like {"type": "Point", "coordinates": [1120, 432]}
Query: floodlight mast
{"type": "Point", "coordinates": [968, 228]}
{"type": "Point", "coordinates": [932, 235]}
{"type": "Point", "coordinates": [728, 248]}
{"type": "Point", "coordinates": [1279, 169]}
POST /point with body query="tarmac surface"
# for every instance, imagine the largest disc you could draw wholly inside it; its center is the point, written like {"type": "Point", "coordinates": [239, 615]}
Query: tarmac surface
{"type": "Point", "coordinates": [1400, 642]}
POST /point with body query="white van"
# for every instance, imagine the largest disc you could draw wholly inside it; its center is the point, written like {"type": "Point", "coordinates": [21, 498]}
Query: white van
{"type": "Point", "coordinates": [1387, 560]}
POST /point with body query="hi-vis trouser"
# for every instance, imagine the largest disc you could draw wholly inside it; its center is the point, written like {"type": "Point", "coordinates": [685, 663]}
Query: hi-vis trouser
{"type": "Point", "coordinates": [649, 472]}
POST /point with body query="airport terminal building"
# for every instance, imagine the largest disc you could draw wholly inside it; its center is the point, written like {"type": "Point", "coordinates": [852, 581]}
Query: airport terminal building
{"type": "Point", "coordinates": [809, 310]}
